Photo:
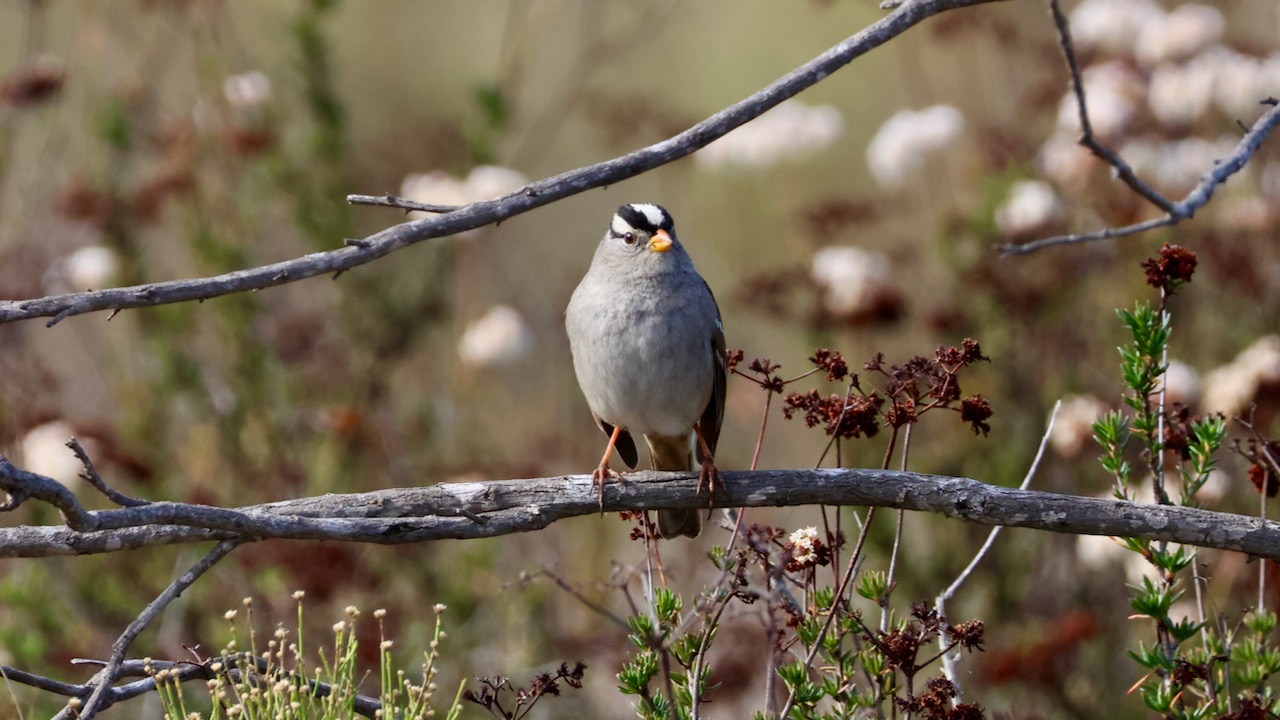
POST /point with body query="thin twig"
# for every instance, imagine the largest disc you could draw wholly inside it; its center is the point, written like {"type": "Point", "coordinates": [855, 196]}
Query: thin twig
{"type": "Point", "coordinates": [897, 542]}
{"type": "Point", "coordinates": [93, 478]}
{"type": "Point", "coordinates": [940, 602]}
{"type": "Point", "coordinates": [591, 605]}
{"type": "Point", "coordinates": [396, 201]}
{"type": "Point", "coordinates": [1087, 137]}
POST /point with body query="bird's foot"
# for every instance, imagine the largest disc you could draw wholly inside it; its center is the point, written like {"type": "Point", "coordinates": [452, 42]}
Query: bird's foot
{"type": "Point", "coordinates": [710, 477]}
{"type": "Point", "coordinates": [601, 476]}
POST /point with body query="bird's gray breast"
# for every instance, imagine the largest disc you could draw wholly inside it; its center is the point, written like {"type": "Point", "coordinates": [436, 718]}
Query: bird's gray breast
{"type": "Point", "coordinates": [642, 350]}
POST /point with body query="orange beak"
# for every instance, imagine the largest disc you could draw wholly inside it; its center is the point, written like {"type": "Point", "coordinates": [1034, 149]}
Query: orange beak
{"type": "Point", "coordinates": [661, 242]}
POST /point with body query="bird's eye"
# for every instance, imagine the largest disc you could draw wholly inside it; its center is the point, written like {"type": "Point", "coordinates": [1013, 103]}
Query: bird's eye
{"type": "Point", "coordinates": [629, 238]}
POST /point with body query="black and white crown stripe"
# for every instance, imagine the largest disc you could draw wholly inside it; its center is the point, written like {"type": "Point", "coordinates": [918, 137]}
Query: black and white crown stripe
{"type": "Point", "coordinates": [640, 217]}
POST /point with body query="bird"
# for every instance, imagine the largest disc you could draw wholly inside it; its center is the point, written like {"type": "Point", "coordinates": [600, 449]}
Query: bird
{"type": "Point", "coordinates": [649, 353]}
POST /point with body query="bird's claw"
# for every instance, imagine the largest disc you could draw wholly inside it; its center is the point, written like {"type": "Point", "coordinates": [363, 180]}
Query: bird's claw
{"type": "Point", "coordinates": [600, 476]}
{"type": "Point", "coordinates": [708, 475]}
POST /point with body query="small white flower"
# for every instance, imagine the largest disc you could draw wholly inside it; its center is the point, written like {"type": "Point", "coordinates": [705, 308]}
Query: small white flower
{"type": "Point", "coordinates": [802, 543]}
{"type": "Point", "coordinates": [1073, 428]}
{"type": "Point", "coordinates": [787, 132]}
{"type": "Point", "coordinates": [852, 279]}
{"type": "Point", "coordinates": [44, 452]}
{"type": "Point", "coordinates": [1179, 35]}
{"type": "Point", "coordinates": [500, 337]}
{"type": "Point", "coordinates": [905, 141]}
{"type": "Point", "coordinates": [1111, 25]}
{"type": "Point", "coordinates": [91, 267]}
{"type": "Point", "coordinates": [248, 90]}
{"type": "Point", "coordinates": [1031, 206]}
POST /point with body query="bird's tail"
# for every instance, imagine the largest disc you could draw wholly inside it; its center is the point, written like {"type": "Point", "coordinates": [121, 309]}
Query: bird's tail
{"type": "Point", "coordinates": [674, 454]}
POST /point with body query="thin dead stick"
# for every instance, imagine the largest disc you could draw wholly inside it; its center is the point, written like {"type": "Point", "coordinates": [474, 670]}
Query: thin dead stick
{"type": "Point", "coordinates": [897, 542]}
{"type": "Point", "coordinates": [944, 638]}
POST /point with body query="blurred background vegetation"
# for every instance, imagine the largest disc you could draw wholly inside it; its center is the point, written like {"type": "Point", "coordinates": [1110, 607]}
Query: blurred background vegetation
{"type": "Point", "coordinates": [155, 139]}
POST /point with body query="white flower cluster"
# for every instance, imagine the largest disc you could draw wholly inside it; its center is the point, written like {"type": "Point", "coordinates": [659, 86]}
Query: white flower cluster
{"type": "Point", "coordinates": [905, 142]}
{"type": "Point", "coordinates": [1217, 79]}
{"type": "Point", "coordinates": [90, 268]}
{"type": "Point", "coordinates": [1175, 165]}
{"type": "Point", "coordinates": [1032, 206]}
{"type": "Point", "coordinates": [1230, 389]}
{"type": "Point", "coordinates": [852, 279]}
{"type": "Point", "coordinates": [45, 452]}
{"type": "Point", "coordinates": [1073, 428]}
{"type": "Point", "coordinates": [249, 90]}
{"type": "Point", "coordinates": [1114, 92]}
{"type": "Point", "coordinates": [499, 337]}
{"type": "Point", "coordinates": [802, 544]}
{"type": "Point", "coordinates": [484, 182]}
{"type": "Point", "coordinates": [787, 132]}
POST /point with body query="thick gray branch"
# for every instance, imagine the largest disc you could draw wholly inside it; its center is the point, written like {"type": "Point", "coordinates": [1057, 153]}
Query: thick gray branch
{"type": "Point", "coordinates": [532, 196]}
{"type": "Point", "coordinates": [486, 509]}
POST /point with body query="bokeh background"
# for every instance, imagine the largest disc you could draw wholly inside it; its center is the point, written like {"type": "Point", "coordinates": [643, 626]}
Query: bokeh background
{"type": "Point", "coordinates": [152, 140]}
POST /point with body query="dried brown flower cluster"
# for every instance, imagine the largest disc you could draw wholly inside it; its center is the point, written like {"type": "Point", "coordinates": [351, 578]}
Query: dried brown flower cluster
{"type": "Point", "coordinates": [910, 389]}
{"type": "Point", "coordinates": [1262, 454]}
{"type": "Point", "coordinates": [901, 648]}
{"type": "Point", "coordinates": [1172, 269]}
{"type": "Point", "coordinates": [520, 699]}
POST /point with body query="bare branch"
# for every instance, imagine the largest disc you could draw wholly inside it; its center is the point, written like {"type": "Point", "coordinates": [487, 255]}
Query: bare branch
{"type": "Point", "coordinates": [1175, 212]}
{"type": "Point", "coordinates": [534, 195]}
{"type": "Point", "coordinates": [396, 201]}
{"type": "Point", "coordinates": [501, 507]}
{"type": "Point", "coordinates": [91, 476]}
{"type": "Point", "coordinates": [940, 602]}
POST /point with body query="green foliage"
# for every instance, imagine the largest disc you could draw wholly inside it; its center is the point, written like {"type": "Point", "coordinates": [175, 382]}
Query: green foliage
{"type": "Point", "coordinates": [1194, 669]}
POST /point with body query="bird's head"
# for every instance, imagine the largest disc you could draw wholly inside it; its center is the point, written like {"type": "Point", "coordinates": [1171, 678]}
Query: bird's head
{"type": "Point", "coordinates": [641, 234]}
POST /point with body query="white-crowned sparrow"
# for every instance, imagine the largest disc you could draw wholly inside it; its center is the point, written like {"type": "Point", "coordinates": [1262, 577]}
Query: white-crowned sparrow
{"type": "Point", "coordinates": [648, 348]}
